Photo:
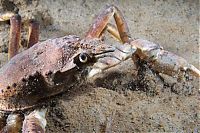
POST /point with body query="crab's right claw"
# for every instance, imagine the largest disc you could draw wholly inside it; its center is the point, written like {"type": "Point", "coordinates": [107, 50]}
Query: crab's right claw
{"type": "Point", "coordinates": [120, 54]}
{"type": "Point", "coordinates": [35, 122]}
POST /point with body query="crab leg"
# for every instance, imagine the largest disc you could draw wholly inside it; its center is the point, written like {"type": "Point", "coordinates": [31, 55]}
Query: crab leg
{"type": "Point", "coordinates": [110, 28]}
{"type": "Point", "coordinates": [35, 122]}
{"type": "Point", "coordinates": [102, 20]}
{"type": "Point", "coordinates": [2, 120]}
{"type": "Point", "coordinates": [6, 16]}
{"type": "Point", "coordinates": [15, 32]}
{"type": "Point", "coordinates": [14, 124]}
{"type": "Point", "coordinates": [113, 31]}
{"type": "Point", "coordinates": [33, 35]}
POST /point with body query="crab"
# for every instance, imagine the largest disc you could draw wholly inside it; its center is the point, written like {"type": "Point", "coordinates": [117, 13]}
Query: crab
{"type": "Point", "coordinates": [49, 68]}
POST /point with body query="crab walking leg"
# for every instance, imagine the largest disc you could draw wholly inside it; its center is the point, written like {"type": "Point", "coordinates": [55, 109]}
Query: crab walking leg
{"type": "Point", "coordinates": [15, 32]}
{"type": "Point", "coordinates": [113, 31]}
{"type": "Point", "coordinates": [15, 35]}
{"type": "Point", "coordinates": [6, 16]}
{"type": "Point", "coordinates": [110, 28]}
{"type": "Point", "coordinates": [35, 122]}
{"type": "Point", "coordinates": [102, 20]}
{"type": "Point", "coordinates": [161, 60]}
{"type": "Point", "coordinates": [33, 35]}
{"type": "Point", "coordinates": [2, 120]}
{"type": "Point", "coordinates": [14, 124]}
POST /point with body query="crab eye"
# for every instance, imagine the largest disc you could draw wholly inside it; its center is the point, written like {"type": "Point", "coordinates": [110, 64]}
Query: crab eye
{"type": "Point", "coordinates": [83, 57]}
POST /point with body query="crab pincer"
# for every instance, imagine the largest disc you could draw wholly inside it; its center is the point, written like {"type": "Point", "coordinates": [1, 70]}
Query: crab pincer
{"type": "Point", "coordinates": [162, 61]}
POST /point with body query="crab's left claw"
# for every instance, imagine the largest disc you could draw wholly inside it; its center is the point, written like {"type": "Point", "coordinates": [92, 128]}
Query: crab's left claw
{"type": "Point", "coordinates": [161, 60]}
{"type": "Point", "coordinates": [35, 122]}
{"type": "Point", "coordinates": [171, 64]}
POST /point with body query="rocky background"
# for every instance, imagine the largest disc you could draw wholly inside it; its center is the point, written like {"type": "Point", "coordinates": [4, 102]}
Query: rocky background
{"type": "Point", "coordinates": [120, 101]}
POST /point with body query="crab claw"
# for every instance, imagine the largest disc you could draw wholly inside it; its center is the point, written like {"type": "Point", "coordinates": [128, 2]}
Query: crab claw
{"type": "Point", "coordinates": [111, 59]}
{"type": "Point", "coordinates": [35, 122]}
{"type": "Point", "coordinates": [169, 63]}
{"type": "Point", "coordinates": [161, 60]}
